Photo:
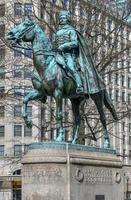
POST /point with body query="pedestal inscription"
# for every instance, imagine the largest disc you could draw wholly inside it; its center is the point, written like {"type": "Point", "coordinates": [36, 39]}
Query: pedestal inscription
{"type": "Point", "coordinates": [93, 175]}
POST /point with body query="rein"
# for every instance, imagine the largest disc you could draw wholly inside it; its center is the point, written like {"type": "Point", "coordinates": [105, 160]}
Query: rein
{"type": "Point", "coordinates": [46, 53]}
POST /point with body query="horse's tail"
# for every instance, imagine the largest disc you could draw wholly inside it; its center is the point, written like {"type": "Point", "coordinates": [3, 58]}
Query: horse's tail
{"type": "Point", "coordinates": [109, 105]}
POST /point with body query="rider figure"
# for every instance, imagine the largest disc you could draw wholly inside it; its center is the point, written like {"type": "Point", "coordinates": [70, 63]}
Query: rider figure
{"type": "Point", "coordinates": [67, 48]}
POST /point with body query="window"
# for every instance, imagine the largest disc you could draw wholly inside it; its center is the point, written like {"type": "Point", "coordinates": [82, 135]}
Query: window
{"type": "Point", "coordinates": [17, 150]}
{"type": "Point", "coordinates": [2, 131]}
{"type": "Point", "coordinates": [17, 130]}
{"type": "Point", "coordinates": [17, 111]}
{"type": "Point", "coordinates": [2, 111]}
{"type": "Point", "coordinates": [27, 131]}
{"type": "Point", "coordinates": [2, 30]}
{"type": "Point", "coordinates": [27, 71]}
{"type": "Point", "coordinates": [129, 154]}
{"type": "Point", "coordinates": [124, 153]}
{"type": "Point", "coordinates": [124, 139]}
{"type": "Point", "coordinates": [123, 126]}
{"type": "Point", "coordinates": [129, 82]}
{"type": "Point", "coordinates": [129, 67]}
{"type": "Point", "coordinates": [129, 127]}
{"type": "Point", "coordinates": [17, 172]}
{"type": "Point", "coordinates": [129, 99]}
{"type": "Point", "coordinates": [1, 150]}
{"type": "Point", "coordinates": [27, 90]}
{"type": "Point", "coordinates": [100, 197]}
{"type": "Point", "coordinates": [2, 92]}
{"type": "Point", "coordinates": [123, 80]}
{"type": "Point", "coordinates": [110, 92]}
{"type": "Point", "coordinates": [116, 79]}
{"type": "Point", "coordinates": [109, 78]}
{"type": "Point", "coordinates": [27, 9]}
{"type": "Point", "coordinates": [123, 97]}
{"type": "Point", "coordinates": [117, 95]}
{"type": "Point", "coordinates": [18, 92]}
{"type": "Point", "coordinates": [17, 9]}
{"type": "Point", "coordinates": [2, 10]}
{"type": "Point", "coordinates": [129, 140]}
{"type": "Point", "coordinates": [65, 2]}
{"type": "Point", "coordinates": [109, 24]}
{"type": "Point", "coordinates": [28, 53]}
{"type": "Point", "coordinates": [2, 72]}
{"type": "Point", "coordinates": [29, 111]}
{"type": "Point", "coordinates": [2, 53]}
{"type": "Point", "coordinates": [26, 148]}
{"type": "Point", "coordinates": [17, 71]}
{"type": "Point", "coordinates": [17, 53]}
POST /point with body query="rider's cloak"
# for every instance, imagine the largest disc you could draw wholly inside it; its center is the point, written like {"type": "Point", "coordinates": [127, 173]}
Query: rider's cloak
{"type": "Point", "coordinates": [92, 81]}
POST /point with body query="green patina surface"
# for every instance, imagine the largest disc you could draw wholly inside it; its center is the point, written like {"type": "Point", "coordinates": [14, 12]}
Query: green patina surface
{"type": "Point", "coordinates": [46, 145]}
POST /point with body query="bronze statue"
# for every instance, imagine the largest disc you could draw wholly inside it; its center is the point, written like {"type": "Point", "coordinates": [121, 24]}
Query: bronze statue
{"type": "Point", "coordinates": [66, 72]}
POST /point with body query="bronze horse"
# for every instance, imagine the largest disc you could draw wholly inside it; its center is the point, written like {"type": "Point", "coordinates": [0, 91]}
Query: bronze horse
{"type": "Point", "coordinates": [49, 79]}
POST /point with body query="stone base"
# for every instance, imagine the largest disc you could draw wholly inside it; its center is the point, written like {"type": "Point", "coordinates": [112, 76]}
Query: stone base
{"type": "Point", "coordinates": [53, 171]}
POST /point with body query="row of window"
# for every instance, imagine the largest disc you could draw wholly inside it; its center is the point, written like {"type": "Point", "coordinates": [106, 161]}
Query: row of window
{"type": "Point", "coordinates": [18, 149]}
{"type": "Point", "coordinates": [18, 72]}
{"type": "Point", "coordinates": [123, 81]}
{"type": "Point", "coordinates": [20, 92]}
{"type": "Point", "coordinates": [19, 9]}
{"type": "Point", "coordinates": [126, 127]}
{"type": "Point", "coordinates": [17, 111]}
{"type": "Point", "coordinates": [120, 97]}
{"type": "Point", "coordinates": [125, 140]}
{"type": "Point", "coordinates": [25, 52]}
{"type": "Point", "coordinates": [124, 154]}
{"type": "Point", "coordinates": [18, 129]}
{"type": "Point", "coordinates": [17, 53]}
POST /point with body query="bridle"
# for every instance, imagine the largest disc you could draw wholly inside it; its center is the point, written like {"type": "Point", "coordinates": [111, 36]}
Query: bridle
{"type": "Point", "coordinates": [17, 44]}
{"type": "Point", "coordinates": [28, 47]}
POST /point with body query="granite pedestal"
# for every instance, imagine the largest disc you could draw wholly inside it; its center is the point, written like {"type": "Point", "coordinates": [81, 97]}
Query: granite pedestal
{"type": "Point", "coordinates": [53, 171]}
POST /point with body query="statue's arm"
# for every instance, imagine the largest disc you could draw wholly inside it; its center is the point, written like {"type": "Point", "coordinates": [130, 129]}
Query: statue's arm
{"type": "Point", "coordinates": [73, 42]}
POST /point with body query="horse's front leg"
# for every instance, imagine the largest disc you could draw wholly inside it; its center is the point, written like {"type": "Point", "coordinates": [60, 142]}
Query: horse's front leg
{"type": "Point", "coordinates": [58, 98]}
{"type": "Point", "coordinates": [33, 95]}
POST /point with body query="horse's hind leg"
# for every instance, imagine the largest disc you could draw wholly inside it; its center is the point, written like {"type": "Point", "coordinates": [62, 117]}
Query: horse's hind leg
{"type": "Point", "coordinates": [109, 105]}
{"type": "Point", "coordinates": [98, 99]}
{"type": "Point", "coordinates": [76, 113]}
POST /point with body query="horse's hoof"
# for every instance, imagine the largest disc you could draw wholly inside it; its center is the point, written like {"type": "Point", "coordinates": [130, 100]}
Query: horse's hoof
{"type": "Point", "coordinates": [106, 144]}
{"type": "Point", "coordinates": [59, 139]}
{"type": "Point", "coordinates": [74, 142]}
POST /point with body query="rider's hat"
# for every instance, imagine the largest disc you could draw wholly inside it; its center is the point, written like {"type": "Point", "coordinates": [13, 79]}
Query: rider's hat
{"type": "Point", "coordinates": [64, 13]}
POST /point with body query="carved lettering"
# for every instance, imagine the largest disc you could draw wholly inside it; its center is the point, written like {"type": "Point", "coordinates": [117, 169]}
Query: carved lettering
{"type": "Point", "coordinates": [43, 174]}
{"type": "Point", "coordinates": [93, 175]}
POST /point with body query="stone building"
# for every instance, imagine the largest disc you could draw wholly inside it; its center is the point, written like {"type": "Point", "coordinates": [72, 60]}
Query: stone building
{"type": "Point", "coordinates": [15, 73]}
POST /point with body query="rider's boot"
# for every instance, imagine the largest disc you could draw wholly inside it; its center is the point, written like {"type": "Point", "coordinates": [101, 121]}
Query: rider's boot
{"type": "Point", "coordinates": [79, 89]}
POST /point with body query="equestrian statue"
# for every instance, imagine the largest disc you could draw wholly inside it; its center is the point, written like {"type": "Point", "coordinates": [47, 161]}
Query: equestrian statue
{"type": "Point", "coordinates": [64, 69]}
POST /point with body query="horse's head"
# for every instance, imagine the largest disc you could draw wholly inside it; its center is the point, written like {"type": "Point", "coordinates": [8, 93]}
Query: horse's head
{"type": "Point", "coordinates": [23, 31]}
